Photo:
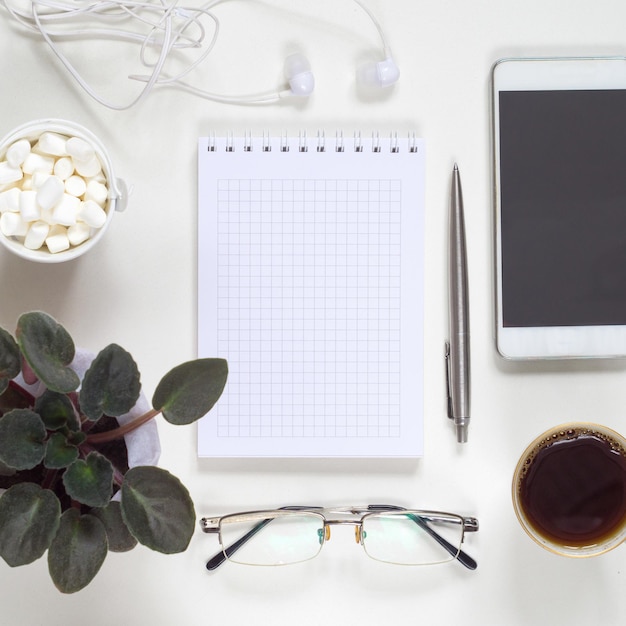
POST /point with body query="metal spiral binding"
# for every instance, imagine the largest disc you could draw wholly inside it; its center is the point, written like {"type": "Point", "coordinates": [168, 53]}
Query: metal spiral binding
{"type": "Point", "coordinates": [229, 143]}
{"type": "Point", "coordinates": [247, 142]}
{"type": "Point", "coordinates": [211, 147]}
{"type": "Point", "coordinates": [358, 144]}
{"type": "Point", "coordinates": [302, 143]}
{"type": "Point", "coordinates": [267, 146]}
{"type": "Point", "coordinates": [339, 142]}
{"type": "Point", "coordinates": [394, 143]}
{"type": "Point", "coordinates": [378, 144]}
{"type": "Point", "coordinates": [375, 142]}
{"type": "Point", "coordinates": [321, 141]}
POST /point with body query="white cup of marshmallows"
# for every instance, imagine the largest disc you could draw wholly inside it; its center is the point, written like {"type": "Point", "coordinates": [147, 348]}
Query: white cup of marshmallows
{"type": "Point", "coordinates": [58, 192]}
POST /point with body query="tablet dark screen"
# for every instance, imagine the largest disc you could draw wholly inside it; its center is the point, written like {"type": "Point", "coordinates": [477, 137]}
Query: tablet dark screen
{"type": "Point", "coordinates": [563, 204]}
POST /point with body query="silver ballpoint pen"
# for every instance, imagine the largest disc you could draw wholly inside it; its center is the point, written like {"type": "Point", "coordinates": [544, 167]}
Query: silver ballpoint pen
{"type": "Point", "coordinates": [458, 346]}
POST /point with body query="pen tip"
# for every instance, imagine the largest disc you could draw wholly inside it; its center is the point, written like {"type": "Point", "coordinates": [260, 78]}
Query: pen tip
{"type": "Point", "coordinates": [461, 433]}
{"type": "Point", "coordinates": [456, 167]}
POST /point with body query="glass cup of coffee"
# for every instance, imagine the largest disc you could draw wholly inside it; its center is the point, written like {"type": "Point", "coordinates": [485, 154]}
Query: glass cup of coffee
{"type": "Point", "coordinates": [569, 489]}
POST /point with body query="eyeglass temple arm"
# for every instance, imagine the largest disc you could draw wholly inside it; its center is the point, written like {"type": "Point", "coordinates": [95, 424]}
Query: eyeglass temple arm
{"type": "Point", "coordinates": [215, 561]}
{"type": "Point", "coordinates": [469, 524]}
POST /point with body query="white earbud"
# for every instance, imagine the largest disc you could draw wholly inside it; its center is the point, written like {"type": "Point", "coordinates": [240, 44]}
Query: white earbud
{"type": "Point", "coordinates": [299, 76]}
{"type": "Point", "coordinates": [382, 74]}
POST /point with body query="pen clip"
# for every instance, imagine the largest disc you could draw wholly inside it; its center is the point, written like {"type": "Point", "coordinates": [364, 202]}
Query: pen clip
{"type": "Point", "coordinates": [448, 394]}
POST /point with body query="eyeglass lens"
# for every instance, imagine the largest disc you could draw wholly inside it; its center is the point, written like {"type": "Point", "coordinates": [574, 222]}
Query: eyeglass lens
{"type": "Point", "coordinates": [408, 539]}
{"type": "Point", "coordinates": [274, 538]}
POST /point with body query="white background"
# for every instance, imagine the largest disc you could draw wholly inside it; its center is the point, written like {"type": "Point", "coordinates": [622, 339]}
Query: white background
{"type": "Point", "coordinates": [137, 288]}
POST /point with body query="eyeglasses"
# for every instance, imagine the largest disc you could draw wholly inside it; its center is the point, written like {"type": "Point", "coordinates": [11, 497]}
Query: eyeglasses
{"type": "Point", "coordinates": [294, 534]}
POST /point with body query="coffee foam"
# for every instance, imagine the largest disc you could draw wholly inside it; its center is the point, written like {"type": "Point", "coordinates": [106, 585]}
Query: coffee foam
{"type": "Point", "coordinates": [567, 434]}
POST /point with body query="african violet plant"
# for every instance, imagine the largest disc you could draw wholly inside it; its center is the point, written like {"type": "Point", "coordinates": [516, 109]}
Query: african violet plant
{"type": "Point", "coordinates": [63, 457]}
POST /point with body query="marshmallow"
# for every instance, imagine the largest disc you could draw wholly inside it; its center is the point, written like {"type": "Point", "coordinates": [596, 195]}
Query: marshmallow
{"type": "Point", "coordinates": [57, 239]}
{"type": "Point", "coordinates": [77, 233]}
{"type": "Point", "coordinates": [64, 168]}
{"type": "Point", "coordinates": [88, 168]}
{"type": "Point", "coordinates": [10, 200]}
{"type": "Point", "coordinates": [50, 193]}
{"type": "Point", "coordinates": [79, 149]}
{"type": "Point", "coordinates": [99, 178]}
{"type": "Point", "coordinates": [52, 143]}
{"type": "Point", "coordinates": [38, 179]}
{"type": "Point", "coordinates": [75, 186]}
{"type": "Point", "coordinates": [9, 174]}
{"type": "Point", "coordinates": [92, 214]}
{"type": "Point", "coordinates": [36, 235]}
{"type": "Point", "coordinates": [38, 163]}
{"type": "Point", "coordinates": [47, 217]}
{"type": "Point", "coordinates": [17, 152]}
{"type": "Point", "coordinates": [29, 209]}
{"type": "Point", "coordinates": [97, 192]}
{"type": "Point", "coordinates": [66, 211]}
{"type": "Point", "coordinates": [12, 225]}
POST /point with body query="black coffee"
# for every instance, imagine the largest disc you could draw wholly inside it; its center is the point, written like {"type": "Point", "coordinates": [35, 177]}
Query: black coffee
{"type": "Point", "coordinates": [573, 487]}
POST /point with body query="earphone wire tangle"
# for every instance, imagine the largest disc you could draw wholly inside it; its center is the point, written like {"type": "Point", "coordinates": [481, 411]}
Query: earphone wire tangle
{"type": "Point", "coordinates": [162, 28]}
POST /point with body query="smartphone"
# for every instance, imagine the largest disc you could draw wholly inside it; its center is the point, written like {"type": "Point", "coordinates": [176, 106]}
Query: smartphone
{"type": "Point", "coordinates": [559, 148]}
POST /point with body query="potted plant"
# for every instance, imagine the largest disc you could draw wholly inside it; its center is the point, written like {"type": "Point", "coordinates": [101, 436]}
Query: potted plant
{"type": "Point", "coordinates": [67, 485]}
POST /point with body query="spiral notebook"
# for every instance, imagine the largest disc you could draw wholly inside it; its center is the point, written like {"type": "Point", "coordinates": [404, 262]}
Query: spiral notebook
{"type": "Point", "coordinates": [310, 284]}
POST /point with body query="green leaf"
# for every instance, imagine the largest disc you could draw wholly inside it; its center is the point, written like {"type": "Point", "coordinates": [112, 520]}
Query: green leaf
{"type": "Point", "coordinates": [56, 410]}
{"type": "Point", "coordinates": [111, 384]}
{"type": "Point", "coordinates": [5, 470]}
{"type": "Point", "coordinates": [90, 481]}
{"type": "Point", "coordinates": [10, 359]}
{"type": "Point", "coordinates": [77, 552]}
{"type": "Point", "coordinates": [189, 391]}
{"type": "Point", "coordinates": [22, 439]}
{"type": "Point", "coordinates": [29, 519]}
{"type": "Point", "coordinates": [48, 348]}
{"type": "Point", "coordinates": [59, 452]}
{"type": "Point", "coordinates": [120, 539]}
{"type": "Point", "coordinates": [75, 437]}
{"type": "Point", "coordinates": [157, 509]}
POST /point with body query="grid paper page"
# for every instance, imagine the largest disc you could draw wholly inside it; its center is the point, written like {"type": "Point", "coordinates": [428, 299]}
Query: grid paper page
{"type": "Point", "coordinates": [301, 289]}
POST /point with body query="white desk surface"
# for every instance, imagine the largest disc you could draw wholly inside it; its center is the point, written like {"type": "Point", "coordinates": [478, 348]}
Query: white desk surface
{"type": "Point", "coordinates": [138, 288]}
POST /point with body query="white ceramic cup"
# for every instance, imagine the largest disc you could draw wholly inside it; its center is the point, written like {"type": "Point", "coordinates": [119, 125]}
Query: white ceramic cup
{"type": "Point", "coordinates": [117, 189]}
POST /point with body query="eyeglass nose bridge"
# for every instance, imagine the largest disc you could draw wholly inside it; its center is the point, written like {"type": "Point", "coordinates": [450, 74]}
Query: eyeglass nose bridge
{"type": "Point", "coordinates": [358, 527]}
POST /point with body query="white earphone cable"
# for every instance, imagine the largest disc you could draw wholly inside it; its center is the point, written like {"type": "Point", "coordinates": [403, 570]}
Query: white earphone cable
{"type": "Point", "coordinates": [83, 83]}
{"type": "Point", "coordinates": [376, 23]}
{"type": "Point", "coordinates": [166, 25]}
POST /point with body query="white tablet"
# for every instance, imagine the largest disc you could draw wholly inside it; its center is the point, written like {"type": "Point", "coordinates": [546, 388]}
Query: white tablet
{"type": "Point", "coordinates": [559, 143]}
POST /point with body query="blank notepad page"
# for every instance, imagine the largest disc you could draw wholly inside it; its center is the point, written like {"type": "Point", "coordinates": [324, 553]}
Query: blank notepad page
{"type": "Point", "coordinates": [310, 284]}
